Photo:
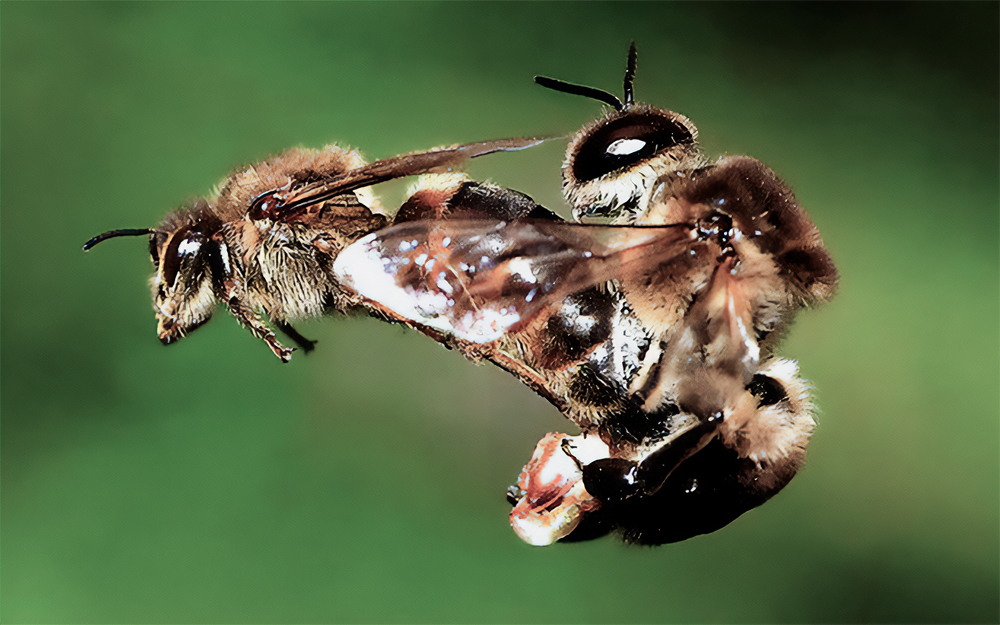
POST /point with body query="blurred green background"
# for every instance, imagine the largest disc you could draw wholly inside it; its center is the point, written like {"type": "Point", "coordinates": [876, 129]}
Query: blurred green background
{"type": "Point", "coordinates": [206, 482]}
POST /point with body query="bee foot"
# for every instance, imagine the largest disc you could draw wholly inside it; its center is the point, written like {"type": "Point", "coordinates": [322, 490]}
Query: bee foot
{"type": "Point", "coordinates": [283, 353]}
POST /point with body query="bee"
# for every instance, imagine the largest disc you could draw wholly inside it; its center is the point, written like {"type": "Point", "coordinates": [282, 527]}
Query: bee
{"type": "Point", "coordinates": [649, 321]}
{"type": "Point", "coordinates": [265, 241]}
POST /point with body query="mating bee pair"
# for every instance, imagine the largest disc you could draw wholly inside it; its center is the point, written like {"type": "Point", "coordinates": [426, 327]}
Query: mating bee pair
{"type": "Point", "coordinates": [652, 330]}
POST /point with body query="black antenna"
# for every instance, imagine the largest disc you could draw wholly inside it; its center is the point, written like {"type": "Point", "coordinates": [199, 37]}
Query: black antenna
{"type": "Point", "coordinates": [588, 92]}
{"type": "Point", "coordinates": [126, 232]}
{"type": "Point", "coordinates": [633, 58]}
{"type": "Point", "coordinates": [600, 94]}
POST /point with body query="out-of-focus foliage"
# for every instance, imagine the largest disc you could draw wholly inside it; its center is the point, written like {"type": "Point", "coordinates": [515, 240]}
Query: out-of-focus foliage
{"type": "Point", "coordinates": [206, 482]}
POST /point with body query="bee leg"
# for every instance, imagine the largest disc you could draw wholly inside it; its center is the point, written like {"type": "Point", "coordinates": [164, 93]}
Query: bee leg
{"type": "Point", "coordinates": [305, 344]}
{"type": "Point", "coordinates": [613, 480]}
{"type": "Point", "coordinates": [656, 468]}
{"type": "Point", "coordinates": [259, 329]}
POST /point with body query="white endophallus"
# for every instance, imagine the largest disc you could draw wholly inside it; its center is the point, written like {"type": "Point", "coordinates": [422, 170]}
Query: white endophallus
{"type": "Point", "coordinates": [553, 499]}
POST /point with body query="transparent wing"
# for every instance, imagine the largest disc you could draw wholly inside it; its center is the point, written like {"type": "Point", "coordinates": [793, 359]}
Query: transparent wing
{"type": "Point", "coordinates": [477, 279]}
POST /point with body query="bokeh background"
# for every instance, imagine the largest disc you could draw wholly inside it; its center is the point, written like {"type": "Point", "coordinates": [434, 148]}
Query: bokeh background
{"type": "Point", "coordinates": [206, 482]}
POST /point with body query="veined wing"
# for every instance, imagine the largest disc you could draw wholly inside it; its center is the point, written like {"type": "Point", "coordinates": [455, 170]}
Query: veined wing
{"type": "Point", "coordinates": [291, 205]}
{"type": "Point", "coordinates": [477, 279]}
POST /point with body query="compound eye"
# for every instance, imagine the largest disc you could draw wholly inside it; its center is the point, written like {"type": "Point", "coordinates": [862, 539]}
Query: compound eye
{"type": "Point", "coordinates": [183, 244]}
{"type": "Point", "coordinates": [627, 140]}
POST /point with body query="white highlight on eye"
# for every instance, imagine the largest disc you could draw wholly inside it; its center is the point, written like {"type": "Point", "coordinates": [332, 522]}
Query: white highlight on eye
{"type": "Point", "coordinates": [188, 246]}
{"type": "Point", "coordinates": [625, 146]}
{"type": "Point", "coordinates": [224, 254]}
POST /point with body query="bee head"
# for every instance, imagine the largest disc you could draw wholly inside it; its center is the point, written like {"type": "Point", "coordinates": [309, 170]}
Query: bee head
{"type": "Point", "coordinates": [182, 287]}
{"type": "Point", "coordinates": [612, 164]}
{"type": "Point", "coordinates": [183, 297]}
